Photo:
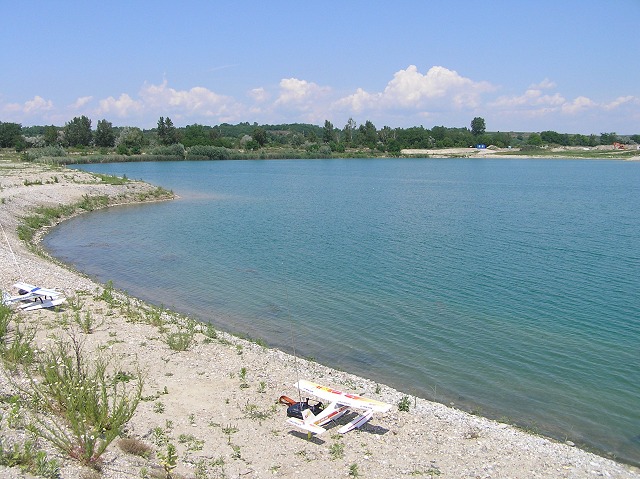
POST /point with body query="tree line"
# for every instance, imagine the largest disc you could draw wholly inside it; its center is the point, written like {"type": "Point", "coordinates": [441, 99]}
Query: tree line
{"type": "Point", "coordinates": [78, 133]}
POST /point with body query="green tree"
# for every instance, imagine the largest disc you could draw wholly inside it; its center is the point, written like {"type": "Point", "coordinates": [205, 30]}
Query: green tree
{"type": "Point", "coordinates": [196, 135]}
{"type": "Point", "coordinates": [77, 132]}
{"type": "Point", "coordinates": [328, 134]}
{"type": "Point", "coordinates": [260, 136]}
{"type": "Point", "coordinates": [51, 136]}
{"type": "Point", "coordinates": [348, 132]}
{"type": "Point", "coordinates": [167, 133]}
{"type": "Point", "coordinates": [105, 136]}
{"type": "Point", "coordinates": [367, 134]}
{"type": "Point", "coordinates": [534, 139]}
{"type": "Point", "coordinates": [608, 138]}
{"type": "Point", "coordinates": [172, 132]}
{"type": "Point", "coordinates": [478, 126]}
{"type": "Point", "coordinates": [130, 141]}
{"type": "Point", "coordinates": [10, 134]}
{"type": "Point", "coordinates": [162, 131]}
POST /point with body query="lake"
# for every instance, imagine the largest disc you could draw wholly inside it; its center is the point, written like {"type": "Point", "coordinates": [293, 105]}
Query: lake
{"type": "Point", "coordinates": [510, 288]}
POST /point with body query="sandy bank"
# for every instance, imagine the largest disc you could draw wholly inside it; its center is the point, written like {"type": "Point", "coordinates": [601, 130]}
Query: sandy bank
{"type": "Point", "coordinates": [216, 400]}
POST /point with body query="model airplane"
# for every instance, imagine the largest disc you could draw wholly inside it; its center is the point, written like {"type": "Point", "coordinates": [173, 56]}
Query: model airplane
{"type": "Point", "coordinates": [312, 418]}
{"type": "Point", "coordinates": [32, 297]}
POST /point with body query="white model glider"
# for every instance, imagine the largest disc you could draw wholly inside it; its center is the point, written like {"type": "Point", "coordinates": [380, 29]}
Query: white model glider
{"type": "Point", "coordinates": [339, 403]}
{"type": "Point", "coordinates": [32, 297]}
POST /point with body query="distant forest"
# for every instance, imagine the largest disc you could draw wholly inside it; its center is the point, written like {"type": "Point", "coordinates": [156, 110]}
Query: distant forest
{"type": "Point", "coordinates": [221, 141]}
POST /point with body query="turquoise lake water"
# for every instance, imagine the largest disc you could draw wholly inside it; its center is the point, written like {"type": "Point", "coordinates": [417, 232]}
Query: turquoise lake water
{"type": "Point", "coordinates": [508, 287]}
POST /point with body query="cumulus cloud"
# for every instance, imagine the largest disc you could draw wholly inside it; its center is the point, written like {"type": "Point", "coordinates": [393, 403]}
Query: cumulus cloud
{"type": "Point", "coordinates": [38, 104]}
{"type": "Point", "coordinates": [622, 101]}
{"type": "Point", "coordinates": [122, 106]}
{"type": "Point", "coordinates": [410, 89]}
{"type": "Point", "coordinates": [579, 104]}
{"type": "Point", "coordinates": [162, 99]}
{"type": "Point", "coordinates": [259, 95]}
{"type": "Point", "coordinates": [545, 84]}
{"type": "Point", "coordinates": [299, 92]}
{"type": "Point", "coordinates": [197, 101]}
{"type": "Point", "coordinates": [33, 106]}
{"type": "Point", "coordinates": [37, 108]}
{"type": "Point", "coordinates": [533, 97]}
{"type": "Point", "coordinates": [82, 101]}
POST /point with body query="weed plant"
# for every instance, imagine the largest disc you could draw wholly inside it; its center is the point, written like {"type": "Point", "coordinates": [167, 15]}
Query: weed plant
{"type": "Point", "coordinates": [6, 314]}
{"type": "Point", "coordinates": [252, 411]}
{"type": "Point", "coordinates": [169, 459]}
{"type": "Point", "coordinates": [182, 339]}
{"type": "Point", "coordinates": [336, 451]}
{"type": "Point", "coordinates": [29, 459]}
{"type": "Point", "coordinates": [87, 407]}
{"type": "Point", "coordinates": [191, 442]}
{"type": "Point", "coordinates": [16, 346]}
{"type": "Point", "coordinates": [135, 447]}
{"type": "Point", "coordinates": [87, 322]}
{"type": "Point", "coordinates": [404, 404]}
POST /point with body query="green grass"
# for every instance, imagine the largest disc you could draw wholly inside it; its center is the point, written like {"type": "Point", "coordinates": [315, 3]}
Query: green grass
{"type": "Point", "coordinates": [111, 179]}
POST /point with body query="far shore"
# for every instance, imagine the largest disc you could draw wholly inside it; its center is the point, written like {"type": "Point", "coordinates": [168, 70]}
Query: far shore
{"type": "Point", "coordinates": [216, 401]}
{"type": "Point", "coordinates": [599, 153]}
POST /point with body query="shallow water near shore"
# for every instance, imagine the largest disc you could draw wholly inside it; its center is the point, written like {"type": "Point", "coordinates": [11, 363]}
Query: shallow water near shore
{"type": "Point", "coordinates": [511, 287]}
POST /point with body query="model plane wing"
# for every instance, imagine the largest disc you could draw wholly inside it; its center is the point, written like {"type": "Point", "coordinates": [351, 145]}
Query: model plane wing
{"type": "Point", "coordinates": [32, 291]}
{"type": "Point", "coordinates": [348, 399]}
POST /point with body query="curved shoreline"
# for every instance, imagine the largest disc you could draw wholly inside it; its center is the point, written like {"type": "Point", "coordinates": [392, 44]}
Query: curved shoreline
{"type": "Point", "coordinates": [203, 384]}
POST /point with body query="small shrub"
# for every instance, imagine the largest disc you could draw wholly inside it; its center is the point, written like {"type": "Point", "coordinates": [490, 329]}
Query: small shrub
{"type": "Point", "coordinates": [107, 294]}
{"type": "Point", "coordinates": [169, 459]}
{"type": "Point", "coordinates": [179, 341]}
{"type": "Point", "coordinates": [205, 152]}
{"type": "Point", "coordinates": [86, 322]}
{"type": "Point", "coordinates": [404, 404]}
{"type": "Point", "coordinates": [88, 409]}
{"type": "Point", "coordinates": [16, 347]}
{"type": "Point", "coordinates": [153, 316]}
{"type": "Point", "coordinates": [191, 442]}
{"type": "Point", "coordinates": [134, 446]}
{"type": "Point", "coordinates": [336, 451]}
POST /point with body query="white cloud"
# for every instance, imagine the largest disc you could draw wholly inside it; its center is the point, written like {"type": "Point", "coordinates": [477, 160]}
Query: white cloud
{"type": "Point", "coordinates": [38, 104]}
{"type": "Point", "coordinates": [35, 105]}
{"type": "Point", "coordinates": [300, 92]}
{"type": "Point", "coordinates": [80, 102]}
{"type": "Point", "coordinates": [259, 95]}
{"type": "Point", "coordinates": [545, 84]}
{"type": "Point", "coordinates": [579, 104]}
{"type": "Point", "coordinates": [198, 101]}
{"type": "Point", "coordinates": [438, 96]}
{"type": "Point", "coordinates": [622, 101]}
{"type": "Point", "coordinates": [533, 97]}
{"type": "Point", "coordinates": [123, 106]}
{"type": "Point", "coordinates": [412, 90]}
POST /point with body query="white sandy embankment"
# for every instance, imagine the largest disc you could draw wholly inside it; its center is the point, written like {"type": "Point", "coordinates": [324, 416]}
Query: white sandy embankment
{"type": "Point", "coordinates": [216, 401]}
{"type": "Point", "coordinates": [515, 153]}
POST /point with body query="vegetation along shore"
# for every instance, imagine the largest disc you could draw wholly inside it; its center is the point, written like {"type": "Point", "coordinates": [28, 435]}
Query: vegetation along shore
{"type": "Point", "coordinates": [107, 386]}
{"type": "Point", "coordinates": [77, 142]}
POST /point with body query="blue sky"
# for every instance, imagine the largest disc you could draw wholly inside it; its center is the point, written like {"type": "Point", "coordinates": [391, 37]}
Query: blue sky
{"type": "Point", "coordinates": [566, 65]}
